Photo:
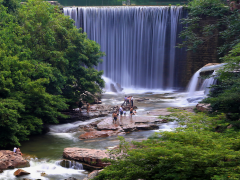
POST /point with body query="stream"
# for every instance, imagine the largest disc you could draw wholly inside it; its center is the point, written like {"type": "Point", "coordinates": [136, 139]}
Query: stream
{"type": "Point", "coordinates": [47, 149]}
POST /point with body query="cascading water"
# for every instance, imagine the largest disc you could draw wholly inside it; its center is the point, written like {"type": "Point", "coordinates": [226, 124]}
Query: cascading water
{"type": "Point", "coordinates": [207, 83]}
{"type": "Point", "coordinates": [193, 83]}
{"type": "Point", "coordinates": [139, 42]}
{"type": "Point", "coordinates": [192, 95]}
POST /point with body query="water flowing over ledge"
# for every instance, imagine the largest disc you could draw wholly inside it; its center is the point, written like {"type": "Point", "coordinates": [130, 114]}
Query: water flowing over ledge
{"type": "Point", "coordinates": [139, 43]}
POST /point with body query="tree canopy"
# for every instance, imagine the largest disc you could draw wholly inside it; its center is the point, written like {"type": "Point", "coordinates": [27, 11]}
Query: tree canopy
{"type": "Point", "coordinates": [45, 64]}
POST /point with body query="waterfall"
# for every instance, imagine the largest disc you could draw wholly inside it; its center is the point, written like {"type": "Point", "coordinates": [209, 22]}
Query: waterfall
{"type": "Point", "coordinates": [193, 83]}
{"type": "Point", "coordinates": [111, 86]}
{"type": "Point", "coordinates": [139, 42]}
{"type": "Point", "coordinates": [207, 83]}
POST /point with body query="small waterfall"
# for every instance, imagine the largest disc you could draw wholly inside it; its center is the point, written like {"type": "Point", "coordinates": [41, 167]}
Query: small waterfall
{"type": "Point", "coordinates": [207, 83]}
{"type": "Point", "coordinates": [70, 164]}
{"type": "Point", "coordinates": [193, 83]}
{"type": "Point", "coordinates": [111, 86]}
{"type": "Point", "coordinates": [139, 42]}
{"type": "Point", "coordinates": [192, 87]}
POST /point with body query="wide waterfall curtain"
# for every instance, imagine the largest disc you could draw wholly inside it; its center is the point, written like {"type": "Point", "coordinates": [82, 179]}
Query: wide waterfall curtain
{"type": "Point", "coordinates": [139, 42]}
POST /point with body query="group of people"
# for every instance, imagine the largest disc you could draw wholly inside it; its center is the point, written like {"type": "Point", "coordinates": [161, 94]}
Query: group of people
{"type": "Point", "coordinates": [128, 100]}
{"type": "Point", "coordinates": [121, 111]}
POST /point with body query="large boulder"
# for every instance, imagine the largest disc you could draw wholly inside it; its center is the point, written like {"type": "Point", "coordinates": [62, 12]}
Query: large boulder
{"type": "Point", "coordinates": [11, 160]}
{"type": "Point", "coordinates": [90, 156]}
{"type": "Point", "coordinates": [20, 172]}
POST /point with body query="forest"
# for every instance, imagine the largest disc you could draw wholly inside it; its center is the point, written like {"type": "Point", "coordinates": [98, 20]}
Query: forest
{"type": "Point", "coordinates": [46, 63]}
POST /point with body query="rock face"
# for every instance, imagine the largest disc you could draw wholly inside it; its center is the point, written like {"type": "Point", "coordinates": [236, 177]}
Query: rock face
{"type": "Point", "coordinates": [11, 160]}
{"type": "Point", "coordinates": [89, 156]}
{"type": "Point", "coordinates": [20, 172]}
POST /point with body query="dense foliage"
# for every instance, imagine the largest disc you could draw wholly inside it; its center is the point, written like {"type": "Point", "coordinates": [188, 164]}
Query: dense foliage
{"type": "Point", "coordinates": [45, 64]}
{"type": "Point", "coordinates": [224, 96]}
{"type": "Point", "coordinates": [223, 24]}
{"type": "Point", "coordinates": [192, 151]}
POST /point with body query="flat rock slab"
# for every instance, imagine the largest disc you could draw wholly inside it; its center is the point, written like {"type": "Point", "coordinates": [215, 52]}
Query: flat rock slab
{"type": "Point", "coordinates": [89, 156]}
{"type": "Point", "coordinates": [124, 124]}
{"type": "Point", "coordinates": [99, 134]}
{"type": "Point", "coordinates": [126, 121]}
{"type": "Point", "coordinates": [11, 160]}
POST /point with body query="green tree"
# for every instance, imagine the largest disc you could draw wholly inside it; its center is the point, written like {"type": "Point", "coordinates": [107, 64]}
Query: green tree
{"type": "Point", "coordinates": [45, 64]}
{"type": "Point", "coordinates": [52, 38]}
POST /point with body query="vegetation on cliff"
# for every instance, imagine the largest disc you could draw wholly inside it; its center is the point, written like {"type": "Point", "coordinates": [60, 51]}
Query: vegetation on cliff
{"type": "Point", "coordinates": [45, 64]}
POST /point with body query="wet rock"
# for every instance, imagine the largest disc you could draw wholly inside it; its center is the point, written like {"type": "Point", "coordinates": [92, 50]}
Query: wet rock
{"type": "Point", "coordinates": [92, 175]}
{"type": "Point", "coordinates": [90, 156]}
{"type": "Point", "coordinates": [147, 127]}
{"type": "Point", "coordinates": [119, 87]}
{"type": "Point", "coordinates": [113, 88]}
{"type": "Point", "coordinates": [11, 160]}
{"type": "Point", "coordinates": [87, 128]}
{"type": "Point", "coordinates": [20, 172]}
{"type": "Point", "coordinates": [98, 134]}
{"type": "Point", "coordinates": [164, 121]}
{"type": "Point", "coordinates": [203, 107]}
{"type": "Point", "coordinates": [71, 178]}
{"type": "Point", "coordinates": [141, 99]}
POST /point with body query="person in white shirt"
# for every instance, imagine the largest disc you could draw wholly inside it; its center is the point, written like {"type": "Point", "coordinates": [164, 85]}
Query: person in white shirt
{"type": "Point", "coordinates": [132, 100]}
{"type": "Point", "coordinates": [121, 111]}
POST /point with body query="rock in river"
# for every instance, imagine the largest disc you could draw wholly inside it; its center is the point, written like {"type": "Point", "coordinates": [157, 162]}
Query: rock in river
{"type": "Point", "coordinates": [20, 172]}
{"type": "Point", "coordinates": [11, 160]}
{"type": "Point", "coordinates": [89, 156]}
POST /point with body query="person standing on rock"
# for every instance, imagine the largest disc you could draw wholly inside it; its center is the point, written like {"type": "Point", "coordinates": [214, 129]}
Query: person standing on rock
{"type": "Point", "coordinates": [131, 101]}
{"type": "Point", "coordinates": [14, 149]}
{"type": "Point", "coordinates": [121, 111]}
{"type": "Point", "coordinates": [131, 111]}
{"type": "Point", "coordinates": [114, 117]}
{"type": "Point", "coordinates": [117, 109]}
{"type": "Point", "coordinates": [88, 107]}
{"type": "Point", "coordinates": [18, 151]}
{"type": "Point", "coordinates": [125, 100]}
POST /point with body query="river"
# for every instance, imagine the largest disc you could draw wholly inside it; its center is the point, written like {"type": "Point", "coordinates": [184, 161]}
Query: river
{"type": "Point", "coordinates": [47, 149]}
